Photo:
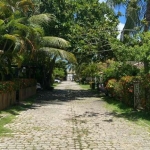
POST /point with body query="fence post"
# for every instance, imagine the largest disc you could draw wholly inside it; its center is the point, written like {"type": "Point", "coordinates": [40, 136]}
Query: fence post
{"type": "Point", "coordinates": [136, 94]}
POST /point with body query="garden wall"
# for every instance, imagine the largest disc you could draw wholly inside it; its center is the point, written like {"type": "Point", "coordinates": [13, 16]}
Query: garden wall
{"type": "Point", "coordinates": [7, 99]}
{"type": "Point", "coordinates": [26, 93]}
{"type": "Point", "coordinates": [12, 92]}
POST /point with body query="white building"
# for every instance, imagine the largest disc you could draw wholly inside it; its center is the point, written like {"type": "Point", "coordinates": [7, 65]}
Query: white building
{"type": "Point", "coordinates": [70, 75]}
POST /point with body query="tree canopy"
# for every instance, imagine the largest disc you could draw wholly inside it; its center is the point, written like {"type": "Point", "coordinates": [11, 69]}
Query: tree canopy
{"type": "Point", "coordinates": [83, 32]}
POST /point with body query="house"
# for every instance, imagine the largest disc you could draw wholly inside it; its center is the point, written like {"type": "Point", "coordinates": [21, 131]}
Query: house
{"type": "Point", "coordinates": [137, 64]}
{"type": "Point", "coordinates": [70, 75]}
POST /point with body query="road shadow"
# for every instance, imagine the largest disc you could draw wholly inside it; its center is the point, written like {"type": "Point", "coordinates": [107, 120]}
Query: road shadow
{"type": "Point", "coordinates": [64, 95]}
{"type": "Point", "coordinates": [54, 97]}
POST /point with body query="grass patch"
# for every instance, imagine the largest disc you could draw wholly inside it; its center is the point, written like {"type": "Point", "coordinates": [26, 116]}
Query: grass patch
{"type": "Point", "coordinates": [116, 106]}
{"type": "Point", "coordinates": [85, 86]}
{"type": "Point", "coordinates": [55, 84]}
{"type": "Point", "coordinates": [5, 119]}
{"type": "Point", "coordinates": [119, 109]}
{"type": "Point", "coordinates": [8, 115]}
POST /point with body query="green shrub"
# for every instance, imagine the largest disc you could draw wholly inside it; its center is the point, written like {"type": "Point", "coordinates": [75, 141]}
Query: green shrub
{"type": "Point", "coordinates": [7, 86]}
{"type": "Point", "coordinates": [145, 91]}
{"type": "Point", "coordinates": [118, 70]}
{"type": "Point", "coordinates": [110, 86]}
{"type": "Point", "coordinates": [24, 83]}
{"type": "Point", "coordinates": [122, 89]}
{"type": "Point", "coordinates": [127, 90]}
{"type": "Point", "coordinates": [118, 90]}
{"type": "Point", "coordinates": [16, 84]}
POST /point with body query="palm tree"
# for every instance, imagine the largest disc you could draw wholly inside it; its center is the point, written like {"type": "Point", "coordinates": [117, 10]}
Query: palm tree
{"type": "Point", "coordinates": [24, 34]}
{"type": "Point", "coordinates": [16, 36]}
{"type": "Point", "coordinates": [54, 48]}
{"type": "Point", "coordinates": [6, 12]}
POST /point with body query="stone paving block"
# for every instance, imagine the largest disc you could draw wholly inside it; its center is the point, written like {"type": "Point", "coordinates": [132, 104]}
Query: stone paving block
{"type": "Point", "coordinates": [82, 123]}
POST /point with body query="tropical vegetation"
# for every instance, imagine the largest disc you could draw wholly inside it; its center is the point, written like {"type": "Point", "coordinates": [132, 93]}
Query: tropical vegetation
{"type": "Point", "coordinates": [25, 43]}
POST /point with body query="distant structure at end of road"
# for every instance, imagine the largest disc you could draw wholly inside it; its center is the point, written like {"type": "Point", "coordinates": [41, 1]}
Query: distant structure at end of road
{"type": "Point", "coordinates": [70, 75]}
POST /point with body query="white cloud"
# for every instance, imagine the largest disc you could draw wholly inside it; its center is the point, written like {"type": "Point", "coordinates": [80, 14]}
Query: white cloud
{"type": "Point", "coordinates": [120, 28]}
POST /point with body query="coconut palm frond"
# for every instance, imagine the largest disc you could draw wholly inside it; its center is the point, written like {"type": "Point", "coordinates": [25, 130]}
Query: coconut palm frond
{"type": "Point", "coordinates": [59, 53]}
{"type": "Point", "coordinates": [34, 37]}
{"type": "Point", "coordinates": [17, 23]}
{"type": "Point", "coordinates": [2, 27]}
{"type": "Point", "coordinates": [22, 20]}
{"type": "Point", "coordinates": [41, 19]}
{"type": "Point", "coordinates": [18, 59]}
{"type": "Point", "coordinates": [19, 43]}
{"type": "Point", "coordinates": [55, 42]}
{"type": "Point", "coordinates": [21, 27]}
{"type": "Point", "coordinates": [27, 31]}
{"type": "Point", "coordinates": [31, 44]}
{"type": "Point", "coordinates": [11, 23]}
{"type": "Point", "coordinates": [17, 46]}
{"type": "Point", "coordinates": [20, 46]}
{"type": "Point", "coordinates": [1, 22]}
{"type": "Point", "coordinates": [37, 30]}
{"type": "Point", "coordinates": [11, 37]}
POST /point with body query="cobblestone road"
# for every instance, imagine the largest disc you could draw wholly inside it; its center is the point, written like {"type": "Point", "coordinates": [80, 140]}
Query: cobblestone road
{"type": "Point", "coordinates": [72, 119]}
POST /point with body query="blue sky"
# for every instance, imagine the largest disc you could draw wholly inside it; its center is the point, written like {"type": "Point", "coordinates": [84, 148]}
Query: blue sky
{"type": "Point", "coordinates": [122, 10]}
{"type": "Point", "coordinates": [121, 19]}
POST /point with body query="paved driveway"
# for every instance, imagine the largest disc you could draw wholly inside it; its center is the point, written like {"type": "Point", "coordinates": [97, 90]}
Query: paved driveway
{"type": "Point", "coordinates": [73, 119]}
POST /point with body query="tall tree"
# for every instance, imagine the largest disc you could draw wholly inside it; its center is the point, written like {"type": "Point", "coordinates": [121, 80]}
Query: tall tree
{"type": "Point", "coordinates": [14, 33]}
{"type": "Point", "coordinates": [137, 20]}
{"type": "Point", "coordinates": [84, 26]}
{"type": "Point", "coordinates": [54, 48]}
{"type": "Point", "coordinates": [141, 19]}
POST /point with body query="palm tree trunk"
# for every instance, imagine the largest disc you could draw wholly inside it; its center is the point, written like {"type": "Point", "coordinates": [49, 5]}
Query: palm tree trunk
{"type": "Point", "coordinates": [49, 76]}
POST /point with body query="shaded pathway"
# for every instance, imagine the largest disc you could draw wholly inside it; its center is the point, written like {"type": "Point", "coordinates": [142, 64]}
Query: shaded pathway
{"type": "Point", "coordinates": [69, 118]}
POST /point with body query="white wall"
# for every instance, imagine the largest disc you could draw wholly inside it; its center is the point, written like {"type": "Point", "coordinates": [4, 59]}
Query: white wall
{"type": "Point", "coordinates": [69, 77]}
